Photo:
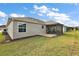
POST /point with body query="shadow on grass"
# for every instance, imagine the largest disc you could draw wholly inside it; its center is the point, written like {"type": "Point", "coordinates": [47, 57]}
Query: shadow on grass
{"type": "Point", "coordinates": [25, 38]}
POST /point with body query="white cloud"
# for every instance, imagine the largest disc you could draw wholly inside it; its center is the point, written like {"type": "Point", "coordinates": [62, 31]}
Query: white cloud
{"type": "Point", "coordinates": [60, 17]}
{"type": "Point", "coordinates": [42, 9]}
{"type": "Point", "coordinates": [72, 23]}
{"type": "Point", "coordinates": [36, 7]}
{"type": "Point", "coordinates": [2, 14]}
{"type": "Point", "coordinates": [55, 14]}
{"type": "Point", "coordinates": [40, 14]}
{"type": "Point", "coordinates": [63, 18]}
{"type": "Point", "coordinates": [55, 9]}
{"type": "Point", "coordinates": [52, 14]}
{"type": "Point", "coordinates": [3, 19]}
{"type": "Point", "coordinates": [17, 15]}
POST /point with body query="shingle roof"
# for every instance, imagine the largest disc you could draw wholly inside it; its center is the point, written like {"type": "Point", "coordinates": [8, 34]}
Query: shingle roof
{"type": "Point", "coordinates": [26, 19]}
{"type": "Point", "coordinates": [51, 22]}
{"type": "Point", "coordinates": [31, 20]}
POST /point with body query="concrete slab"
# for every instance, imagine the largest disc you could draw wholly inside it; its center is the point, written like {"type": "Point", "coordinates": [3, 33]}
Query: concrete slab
{"type": "Point", "coordinates": [49, 35]}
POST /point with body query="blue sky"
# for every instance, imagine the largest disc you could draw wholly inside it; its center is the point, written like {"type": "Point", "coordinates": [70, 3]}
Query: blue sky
{"type": "Point", "coordinates": [65, 13]}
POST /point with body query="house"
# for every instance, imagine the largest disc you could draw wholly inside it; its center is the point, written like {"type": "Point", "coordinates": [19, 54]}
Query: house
{"type": "Point", "coordinates": [70, 28]}
{"type": "Point", "coordinates": [19, 27]}
{"type": "Point", "coordinates": [77, 28]}
{"type": "Point", "coordinates": [53, 27]}
{"type": "Point", "coordinates": [2, 28]}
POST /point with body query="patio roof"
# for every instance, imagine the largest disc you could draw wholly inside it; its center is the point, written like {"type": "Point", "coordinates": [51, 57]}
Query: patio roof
{"type": "Point", "coordinates": [51, 22]}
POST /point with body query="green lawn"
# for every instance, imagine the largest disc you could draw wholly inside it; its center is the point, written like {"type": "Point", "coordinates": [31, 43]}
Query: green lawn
{"type": "Point", "coordinates": [1, 37]}
{"type": "Point", "coordinates": [67, 44]}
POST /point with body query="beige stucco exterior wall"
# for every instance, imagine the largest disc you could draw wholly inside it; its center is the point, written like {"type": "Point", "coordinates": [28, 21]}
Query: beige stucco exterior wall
{"type": "Point", "coordinates": [59, 29]}
{"type": "Point", "coordinates": [10, 29]}
{"type": "Point", "coordinates": [64, 29]}
{"type": "Point", "coordinates": [31, 30]}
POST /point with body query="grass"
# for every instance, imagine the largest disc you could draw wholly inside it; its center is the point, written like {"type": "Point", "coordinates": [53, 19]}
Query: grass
{"type": "Point", "coordinates": [65, 45]}
{"type": "Point", "coordinates": [1, 37]}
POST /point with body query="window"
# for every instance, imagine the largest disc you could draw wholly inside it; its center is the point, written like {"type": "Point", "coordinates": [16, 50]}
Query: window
{"type": "Point", "coordinates": [42, 26]}
{"type": "Point", "coordinates": [22, 28]}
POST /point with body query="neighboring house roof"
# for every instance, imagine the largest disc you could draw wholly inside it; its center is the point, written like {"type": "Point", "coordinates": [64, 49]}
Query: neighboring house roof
{"type": "Point", "coordinates": [2, 26]}
{"type": "Point", "coordinates": [25, 19]}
